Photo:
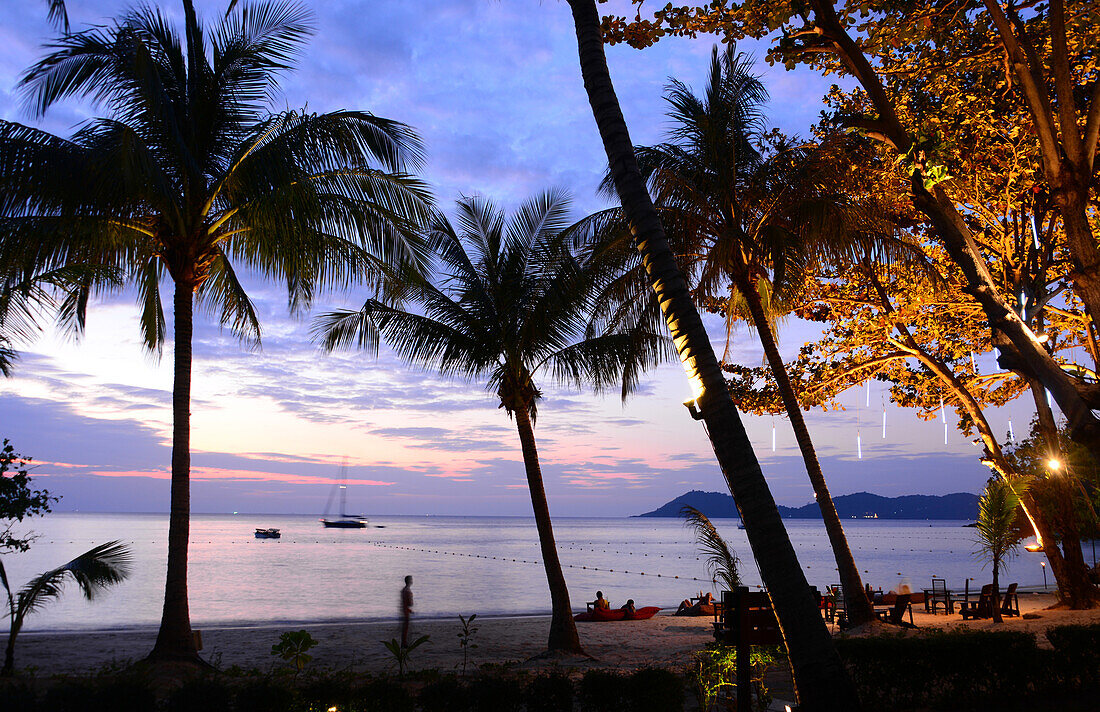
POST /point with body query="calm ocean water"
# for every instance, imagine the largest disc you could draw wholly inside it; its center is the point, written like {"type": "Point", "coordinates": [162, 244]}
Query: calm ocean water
{"type": "Point", "coordinates": [317, 574]}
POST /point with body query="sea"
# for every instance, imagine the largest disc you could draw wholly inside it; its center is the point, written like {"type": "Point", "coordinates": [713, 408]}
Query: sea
{"type": "Point", "coordinates": [459, 565]}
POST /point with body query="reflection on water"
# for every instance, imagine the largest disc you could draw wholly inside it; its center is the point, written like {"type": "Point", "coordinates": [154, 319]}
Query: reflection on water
{"type": "Point", "coordinates": [313, 573]}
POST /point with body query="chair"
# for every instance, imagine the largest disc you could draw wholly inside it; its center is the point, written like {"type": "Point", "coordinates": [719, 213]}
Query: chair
{"type": "Point", "coordinates": [982, 607]}
{"type": "Point", "coordinates": [840, 610]}
{"type": "Point", "coordinates": [1010, 605]}
{"type": "Point", "coordinates": [939, 594]}
{"type": "Point", "coordinates": [896, 613]}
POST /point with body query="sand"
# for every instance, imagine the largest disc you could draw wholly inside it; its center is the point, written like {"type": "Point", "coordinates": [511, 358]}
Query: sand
{"type": "Point", "coordinates": [665, 640]}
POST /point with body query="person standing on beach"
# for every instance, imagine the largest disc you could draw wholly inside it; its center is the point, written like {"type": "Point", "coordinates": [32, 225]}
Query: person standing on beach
{"type": "Point", "coordinates": [406, 610]}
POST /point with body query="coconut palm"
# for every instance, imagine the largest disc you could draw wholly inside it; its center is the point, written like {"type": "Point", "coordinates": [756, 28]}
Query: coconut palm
{"type": "Point", "coordinates": [722, 562]}
{"type": "Point", "coordinates": [820, 678]}
{"type": "Point", "coordinates": [514, 304]}
{"type": "Point", "coordinates": [749, 212]}
{"type": "Point", "coordinates": [191, 177]}
{"type": "Point", "coordinates": [93, 571]}
{"type": "Point", "coordinates": [997, 536]}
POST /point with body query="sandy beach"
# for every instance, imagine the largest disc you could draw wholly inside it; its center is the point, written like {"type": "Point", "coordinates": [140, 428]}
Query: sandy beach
{"type": "Point", "coordinates": [665, 640]}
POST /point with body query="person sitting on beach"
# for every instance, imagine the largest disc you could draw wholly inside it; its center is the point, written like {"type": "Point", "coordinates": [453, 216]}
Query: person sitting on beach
{"type": "Point", "coordinates": [628, 606]}
{"type": "Point", "coordinates": [687, 608]}
{"type": "Point", "coordinates": [600, 604]}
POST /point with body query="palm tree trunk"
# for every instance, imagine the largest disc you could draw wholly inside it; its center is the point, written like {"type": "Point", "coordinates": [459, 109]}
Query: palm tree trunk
{"type": "Point", "coordinates": [857, 607]}
{"type": "Point", "coordinates": [175, 640]}
{"type": "Point", "coordinates": [9, 649]}
{"type": "Point", "coordinates": [821, 681]}
{"type": "Point", "coordinates": [563, 629]}
{"type": "Point", "coordinates": [996, 590]}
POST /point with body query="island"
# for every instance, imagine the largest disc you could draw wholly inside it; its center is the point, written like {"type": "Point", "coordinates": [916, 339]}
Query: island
{"type": "Point", "coordinates": [859, 505]}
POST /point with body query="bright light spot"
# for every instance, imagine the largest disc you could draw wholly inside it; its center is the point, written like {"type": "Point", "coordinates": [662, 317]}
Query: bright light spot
{"type": "Point", "coordinates": [1034, 547]}
{"type": "Point", "coordinates": [1053, 464]}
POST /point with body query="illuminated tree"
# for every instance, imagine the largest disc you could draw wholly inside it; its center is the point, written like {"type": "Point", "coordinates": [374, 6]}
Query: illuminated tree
{"type": "Point", "coordinates": [1047, 66]}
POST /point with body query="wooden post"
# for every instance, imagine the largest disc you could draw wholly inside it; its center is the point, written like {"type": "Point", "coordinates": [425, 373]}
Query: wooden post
{"type": "Point", "coordinates": [744, 650]}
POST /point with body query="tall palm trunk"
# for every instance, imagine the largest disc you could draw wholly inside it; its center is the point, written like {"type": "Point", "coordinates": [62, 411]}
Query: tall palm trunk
{"type": "Point", "coordinates": [821, 681]}
{"type": "Point", "coordinates": [563, 629]}
{"type": "Point", "coordinates": [175, 640]}
{"type": "Point", "coordinates": [857, 607]}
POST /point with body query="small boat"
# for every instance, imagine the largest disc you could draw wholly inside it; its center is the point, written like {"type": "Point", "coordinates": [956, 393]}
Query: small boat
{"type": "Point", "coordinates": [607, 615]}
{"type": "Point", "coordinates": [346, 521]}
{"type": "Point", "coordinates": [268, 534]}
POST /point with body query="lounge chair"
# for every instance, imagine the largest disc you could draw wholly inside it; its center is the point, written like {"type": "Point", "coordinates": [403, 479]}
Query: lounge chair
{"type": "Point", "coordinates": [896, 613]}
{"type": "Point", "coordinates": [1010, 605]}
{"type": "Point", "coordinates": [981, 607]}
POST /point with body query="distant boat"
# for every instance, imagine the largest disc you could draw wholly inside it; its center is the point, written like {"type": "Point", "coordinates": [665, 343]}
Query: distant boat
{"type": "Point", "coordinates": [268, 534]}
{"type": "Point", "coordinates": [346, 521]}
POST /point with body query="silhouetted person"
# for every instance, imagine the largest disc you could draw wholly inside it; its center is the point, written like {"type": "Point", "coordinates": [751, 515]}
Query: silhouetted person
{"type": "Point", "coordinates": [629, 607]}
{"type": "Point", "coordinates": [406, 610]}
{"type": "Point", "coordinates": [600, 604]}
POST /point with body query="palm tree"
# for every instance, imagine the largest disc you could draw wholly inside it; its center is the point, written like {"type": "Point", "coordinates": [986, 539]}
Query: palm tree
{"type": "Point", "coordinates": [722, 562]}
{"type": "Point", "coordinates": [749, 212]}
{"type": "Point", "coordinates": [515, 304]}
{"type": "Point", "coordinates": [191, 176]}
{"type": "Point", "coordinates": [94, 570]}
{"type": "Point", "coordinates": [998, 538]}
{"type": "Point", "coordinates": [821, 680]}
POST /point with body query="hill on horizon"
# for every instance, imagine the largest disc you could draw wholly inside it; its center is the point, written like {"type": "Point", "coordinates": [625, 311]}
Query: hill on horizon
{"type": "Point", "coordinates": [859, 505]}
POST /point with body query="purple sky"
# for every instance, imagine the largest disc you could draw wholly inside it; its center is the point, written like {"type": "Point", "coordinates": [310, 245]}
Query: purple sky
{"type": "Point", "coordinates": [494, 90]}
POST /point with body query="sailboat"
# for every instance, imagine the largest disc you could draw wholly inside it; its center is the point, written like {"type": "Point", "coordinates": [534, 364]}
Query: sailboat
{"type": "Point", "coordinates": [346, 521]}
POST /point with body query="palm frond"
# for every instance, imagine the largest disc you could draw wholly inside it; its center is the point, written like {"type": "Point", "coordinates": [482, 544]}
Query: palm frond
{"type": "Point", "coordinates": [93, 571]}
{"type": "Point", "coordinates": [722, 563]}
{"type": "Point", "coordinates": [998, 539]}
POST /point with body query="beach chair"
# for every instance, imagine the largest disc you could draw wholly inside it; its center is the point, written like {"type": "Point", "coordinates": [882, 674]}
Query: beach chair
{"type": "Point", "coordinates": [1010, 605]}
{"type": "Point", "coordinates": [896, 613]}
{"type": "Point", "coordinates": [839, 611]}
{"type": "Point", "coordinates": [981, 607]}
{"type": "Point", "coordinates": [939, 594]}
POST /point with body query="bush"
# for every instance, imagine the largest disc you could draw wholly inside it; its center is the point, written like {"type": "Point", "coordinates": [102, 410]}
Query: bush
{"type": "Point", "coordinates": [123, 694]}
{"type": "Point", "coordinates": [1078, 653]}
{"type": "Point", "coordinates": [264, 695]}
{"type": "Point", "coordinates": [655, 690]}
{"type": "Point", "coordinates": [68, 696]}
{"type": "Point", "coordinates": [549, 693]}
{"type": "Point", "coordinates": [18, 697]}
{"type": "Point", "coordinates": [446, 694]}
{"type": "Point", "coordinates": [500, 694]}
{"type": "Point", "coordinates": [200, 694]}
{"type": "Point", "coordinates": [968, 670]}
{"type": "Point", "coordinates": [321, 692]}
{"type": "Point", "coordinates": [384, 695]}
{"type": "Point", "coordinates": [602, 691]}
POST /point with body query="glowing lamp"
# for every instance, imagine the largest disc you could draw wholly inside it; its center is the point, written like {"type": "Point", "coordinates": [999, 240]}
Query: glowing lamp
{"type": "Point", "coordinates": [693, 409]}
{"type": "Point", "coordinates": [1053, 464]}
{"type": "Point", "coordinates": [1033, 548]}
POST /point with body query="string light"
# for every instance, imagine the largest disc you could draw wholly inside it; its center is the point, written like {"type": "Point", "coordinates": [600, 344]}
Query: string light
{"type": "Point", "coordinates": [773, 433]}
{"type": "Point", "coordinates": [943, 417]}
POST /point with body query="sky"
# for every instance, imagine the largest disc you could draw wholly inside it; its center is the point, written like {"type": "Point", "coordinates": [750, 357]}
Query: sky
{"type": "Point", "coordinates": [494, 90]}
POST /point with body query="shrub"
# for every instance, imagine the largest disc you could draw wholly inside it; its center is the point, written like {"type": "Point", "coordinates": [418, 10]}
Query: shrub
{"type": "Point", "coordinates": [655, 690]}
{"type": "Point", "coordinates": [264, 695]}
{"type": "Point", "coordinates": [322, 692]}
{"type": "Point", "coordinates": [967, 670]}
{"type": "Point", "coordinates": [68, 696]}
{"type": "Point", "coordinates": [18, 697]}
{"type": "Point", "coordinates": [602, 691]}
{"type": "Point", "coordinates": [500, 694]}
{"type": "Point", "coordinates": [446, 694]}
{"type": "Point", "coordinates": [384, 695]}
{"type": "Point", "coordinates": [549, 693]}
{"type": "Point", "coordinates": [200, 694]}
{"type": "Point", "coordinates": [1078, 653]}
{"type": "Point", "coordinates": [123, 694]}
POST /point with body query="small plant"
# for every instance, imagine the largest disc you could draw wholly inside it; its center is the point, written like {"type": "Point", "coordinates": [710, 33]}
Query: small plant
{"type": "Point", "coordinates": [401, 652]}
{"type": "Point", "coordinates": [715, 671]}
{"type": "Point", "coordinates": [466, 638]}
{"type": "Point", "coordinates": [293, 645]}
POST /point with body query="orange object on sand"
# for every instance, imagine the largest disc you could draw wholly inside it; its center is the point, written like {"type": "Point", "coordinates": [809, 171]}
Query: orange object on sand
{"type": "Point", "coordinates": [603, 615]}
